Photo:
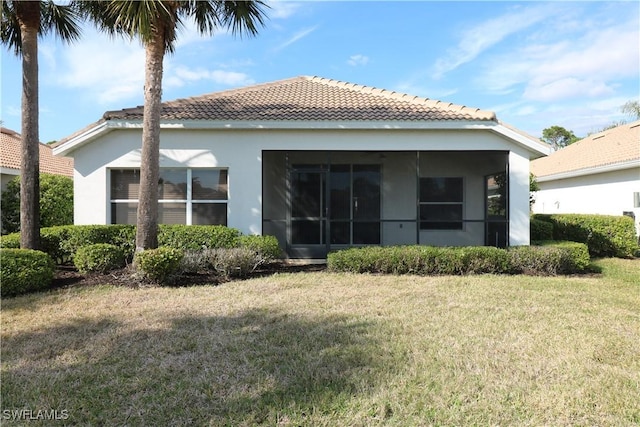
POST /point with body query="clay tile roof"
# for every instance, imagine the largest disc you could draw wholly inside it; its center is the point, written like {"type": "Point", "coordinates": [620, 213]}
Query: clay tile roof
{"type": "Point", "coordinates": [613, 146]}
{"type": "Point", "coordinates": [309, 99]}
{"type": "Point", "coordinates": [11, 154]}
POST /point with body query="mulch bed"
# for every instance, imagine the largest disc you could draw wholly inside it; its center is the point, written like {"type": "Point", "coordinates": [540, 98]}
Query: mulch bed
{"type": "Point", "coordinates": [67, 276]}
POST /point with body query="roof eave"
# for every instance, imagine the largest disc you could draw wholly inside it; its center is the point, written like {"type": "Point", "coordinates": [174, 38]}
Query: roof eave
{"type": "Point", "coordinates": [538, 149]}
{"type": "Point", "coordinates": [590, 171]}
{"type": "Point", "coordinates": [86, 135]}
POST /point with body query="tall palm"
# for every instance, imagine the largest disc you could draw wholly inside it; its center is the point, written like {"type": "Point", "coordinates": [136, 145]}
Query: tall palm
{"type": "Point", "coordinates": [22, 23]}
{"type": "Point", "coordinates": [156, 23]}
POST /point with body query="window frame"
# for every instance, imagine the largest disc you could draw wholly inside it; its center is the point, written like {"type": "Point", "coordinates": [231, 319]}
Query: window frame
{"type": "Point", "coordinates": [189, 201]}
{"type": "Point", "coordinates": [441, 224]}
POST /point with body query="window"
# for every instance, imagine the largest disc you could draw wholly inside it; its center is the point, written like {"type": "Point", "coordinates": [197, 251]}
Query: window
{"type": "Point", "coordinates": [185, 196]}
{"type": "Point", "coordinates": [441, 203]}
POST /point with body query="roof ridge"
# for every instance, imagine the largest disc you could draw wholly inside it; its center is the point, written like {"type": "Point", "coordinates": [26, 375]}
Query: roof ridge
{"type": "Point", "coordinates": [412, 99]}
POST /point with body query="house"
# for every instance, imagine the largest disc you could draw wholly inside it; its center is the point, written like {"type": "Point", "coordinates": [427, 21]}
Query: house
{"type": "Point", "coordinates": [320, 164]}
{"type": "Point", "coordinates": [599, 174]}
{"type": "Point", "coordinates": [11, 155]}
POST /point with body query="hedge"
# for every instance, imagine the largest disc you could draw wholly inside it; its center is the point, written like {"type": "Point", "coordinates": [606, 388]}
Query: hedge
{"type": "Point", "coordinates": [540, 230]}
{"type": "Point", "coordinates": [99, 258]}
{"type": "Point", "coordinates": [604, 235]}
{"type": "Point", "coordinates": [24, 270]}
{"type": "Point", "coordinates": [550, 259]}
{"type": "Point", "coordinates": [198, 237]}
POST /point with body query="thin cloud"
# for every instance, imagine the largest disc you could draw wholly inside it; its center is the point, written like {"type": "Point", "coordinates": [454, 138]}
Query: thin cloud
{"type": "Point", "coordinates": [590, 65]}
{"type": "Point", "coordinates": [479, 38]}
{"type": "Point", "coordinates": [355, 60]}
{"type": "Point", "coordinates": [183, 75]}
{"type": "Point", "coordinates": [108, 70]}
{"type": "Point", "coordinates": [282, 9]}
{"type": "Point", "coordinates": [296, 37]}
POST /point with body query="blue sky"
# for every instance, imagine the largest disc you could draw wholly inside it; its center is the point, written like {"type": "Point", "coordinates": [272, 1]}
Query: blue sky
{"type": "Point", "coordinates": [536, 64]}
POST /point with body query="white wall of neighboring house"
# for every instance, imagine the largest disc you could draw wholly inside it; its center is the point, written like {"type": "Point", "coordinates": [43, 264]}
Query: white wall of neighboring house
{"type": "Point", "coordinates": [607, 193]}
{"type": "Point", "coordinates": [241, 150]}
{"type": "Point", "coordinates": [6, 175]}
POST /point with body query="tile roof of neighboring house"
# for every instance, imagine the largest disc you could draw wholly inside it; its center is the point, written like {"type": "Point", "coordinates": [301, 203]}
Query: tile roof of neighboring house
{"type": "Point", "coordinates": [611, 147]}
{"type": "Point", "coordinates": [11, 153]}
{"type": "Point", "coordinates": [309, 98]}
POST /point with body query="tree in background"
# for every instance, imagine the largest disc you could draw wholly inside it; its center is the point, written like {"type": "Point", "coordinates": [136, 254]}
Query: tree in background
{"type": "Point", "coordinates": [22, 22]}
{"type": "Point", "coordinates": [56, 202]}
{"type": "Point", "coordinates": [533, 187]}
{"type": "Point", "coordinates": [155, 23]}
{"type": "Point", "coordinates": [558, 137]}
{"type": "Point", "coordinates": [632, 109]}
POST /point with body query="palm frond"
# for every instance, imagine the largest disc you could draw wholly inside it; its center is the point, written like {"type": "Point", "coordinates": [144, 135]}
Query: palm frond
{"type": "Point", "coordinates": [10, 28]}
{"type": "Point", "coordinates": [63, 20]}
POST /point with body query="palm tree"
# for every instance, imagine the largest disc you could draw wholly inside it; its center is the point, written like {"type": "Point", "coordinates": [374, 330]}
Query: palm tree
{"type": "Point", "coordinates": [22, 23]}
{"type": "Point", "coordinates": [156, 23]}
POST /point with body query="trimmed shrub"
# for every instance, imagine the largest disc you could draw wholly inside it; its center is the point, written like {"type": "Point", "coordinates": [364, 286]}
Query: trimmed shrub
{"type": "Point", "coordinates": [234, 262]}
{"type": "Point", "coordinates": [604, 235]}
{"type": "Point", "coordinates": [576, 258]}
{"type": "Point", "coordinates": [120, 235]}
{"type": "Point", "coordinates": [24, 270]}
{"type": "Point", "coordinates": [99, 258]}
{"type": "Point", "coordinates": [483, 260]}
{"type": "Point", "coordinates": [158, 265]}
{"type": "Point", "coordinates": [51, 242]}
{"type": "Point", "coordinates": [423, 260]}
{"type": "Point", "coordinates": [551, 258]}
{"type": "Point", "coordinates": [10, 241]}
{"type": "Point", "coordinates": [265, 246]}
{"type": "Point", "coordinates": [540, 230]}
{"type": "Point", "coordinates": [197, 237]}
{"type": "Point", "coordinates": [56, 202]}
{"type": "Point", "coordinates": [535, 260]}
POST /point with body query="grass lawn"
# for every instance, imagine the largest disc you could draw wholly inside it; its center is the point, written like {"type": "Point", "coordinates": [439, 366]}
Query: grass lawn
{"type": "Point", "coordinates": [331, 350]}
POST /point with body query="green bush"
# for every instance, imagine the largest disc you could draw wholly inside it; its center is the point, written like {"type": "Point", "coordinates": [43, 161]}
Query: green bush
{"type": "Point", "coordinates": [120, 235]}
{"type": "Point", "coordinates": [604, 235]}
{"type": "Point", "coordinates": [540, 230]}
{"type": "Point", "coordinates": [423, 260]}
{"type": "Point", "coordinates": [99, 258]}
{"type": "Point", "coordinates": [158, 265]}
{"type": "Point", "coordinates": [553, 258]}
{"type": "Point", "coordinates": [265, 246]}
{"type": "Point", "coordinates": [52, 242]}
{"type": "Point", "coordinates": [197, 237]}
{"type": "Point", "coordinates": [56, 202]}
{"type": "Point", "coordinates": [10, 241]}
{"type": "Point", "coordinates": [24, 270]}
{"type": "Point", "coordinates": [550, 258]}
{"type": "Point", "coordinates": [234, 262]}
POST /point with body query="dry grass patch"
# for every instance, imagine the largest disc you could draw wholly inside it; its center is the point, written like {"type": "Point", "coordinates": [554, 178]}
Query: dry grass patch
{"type": "Point", "coordinates": [333, 349]}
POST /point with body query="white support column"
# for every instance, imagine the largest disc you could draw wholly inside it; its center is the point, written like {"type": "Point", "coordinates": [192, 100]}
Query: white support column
{"type": "Point", "coordinates": [518, 200]}
{"type": "Point", "coordinates": [244, 208]}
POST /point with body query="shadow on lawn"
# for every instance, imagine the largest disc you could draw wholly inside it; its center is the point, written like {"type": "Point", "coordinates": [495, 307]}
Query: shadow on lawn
{"type": "Point", "coordinates": [259, 367]}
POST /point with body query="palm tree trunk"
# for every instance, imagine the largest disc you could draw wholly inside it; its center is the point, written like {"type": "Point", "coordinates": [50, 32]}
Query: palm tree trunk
{"type": "Point", "coordinates": [147, 219]}
{"type": "Point", "coordinates": [28, 14]}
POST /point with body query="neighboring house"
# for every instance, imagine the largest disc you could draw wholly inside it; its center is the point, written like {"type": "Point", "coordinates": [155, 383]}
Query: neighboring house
{"type": "Point", "coordinates": [320, 164]}
{"type": "Point", "coordinates": [11, 155]}
{"type": "Point", "coordinates": [599, 174]}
